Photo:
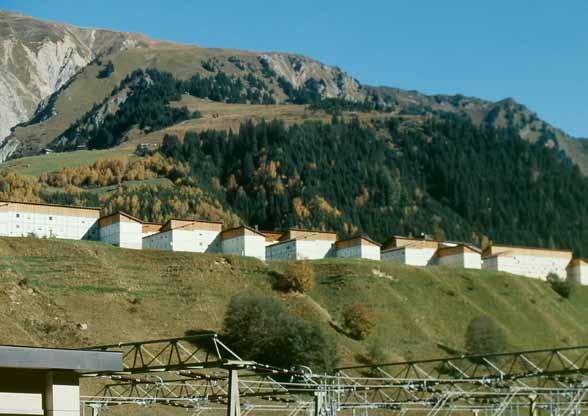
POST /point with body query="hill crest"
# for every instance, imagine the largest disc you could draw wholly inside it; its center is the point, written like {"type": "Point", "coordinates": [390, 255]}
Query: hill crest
{"type": "Point", "coordinates": [38, 82]}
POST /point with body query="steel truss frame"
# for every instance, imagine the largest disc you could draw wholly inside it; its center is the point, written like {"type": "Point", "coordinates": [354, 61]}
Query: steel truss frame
{"type": "Point", "coordinates": [421, 380]}
{"type": "Point", "coordinates": [201, 373]}
{"type": "Point", "coordinates": [197, 369]}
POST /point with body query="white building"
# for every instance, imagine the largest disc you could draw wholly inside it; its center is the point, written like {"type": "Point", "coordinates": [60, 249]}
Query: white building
{"type": "Point", "coordinates": [302, 245]}
{"type": "Point", "coordinates": [186, 235]}
{"type": "Point", "coordinates": [358, 247]}
{"type": "Point", "coordinates": [458, 255]}
{"type": "Point", "coordinates": [121, 230]}
{"type": "Point", "coordinates": [532, 262]}
{"type": "Point", "coordinates": [244, 241]}
{"type": "Point", "coordinates": [410, 251]}
{"type": "Point", "coordinates": [578, 271]}
{"type": "Point", "coordinates": [46, 381]}
{"type": "Point", "coordinates": [24, 219]}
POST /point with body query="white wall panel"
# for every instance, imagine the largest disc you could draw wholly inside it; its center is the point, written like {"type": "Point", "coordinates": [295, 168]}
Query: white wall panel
{"type": "Point", "coordinates": [195, 241]}
{"type": "Point", "coordinates": [464, 260]}
{"type": "Point", "coordinates": [410, 255]}
{"type": "Point", "coordinates": [245, 245]}
{"type": "Point", "coordinates": [578, 274]}
{"type": "Point", "coordinates": [537, 267]}
{"type": "Point", "coordinates": [370, 252]}
{"type": "Point", "coordinates": [281, 251]}
{"type": "Point", "coordinates": [360, 251]}
{"type": "Point", "coordinates": [314, 249]}
{"type": "Point", "coordinates": [123, 234]}
{"type": "Point", "coordinates": [24, 224]}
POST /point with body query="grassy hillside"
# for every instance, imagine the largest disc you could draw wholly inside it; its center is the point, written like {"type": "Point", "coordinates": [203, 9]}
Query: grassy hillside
{"type": "Point", "coordinates": [215, 116]}
{"type": "Point", "coordinates": [48, 287]}
{"type": "Point", "coordinates": [223, 116]}
{"type": "Point", "coordinates": [37, 165]}
{"type": "Point", "coordinates": [86, 89]}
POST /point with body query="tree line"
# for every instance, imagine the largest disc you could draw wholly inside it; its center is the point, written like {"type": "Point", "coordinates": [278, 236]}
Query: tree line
{"type": "Point", "coordinates": [445, 177]}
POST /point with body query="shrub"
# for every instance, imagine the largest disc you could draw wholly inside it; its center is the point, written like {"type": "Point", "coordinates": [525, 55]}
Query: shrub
{"type": "Point", "coordinates": [106, 71]}
{"type": "Point", "coordinates": [261, 329]}
{"type": "Point", "coordinates": [359, 320]}
{"type": "Point", "coordinates": [298, 277]}
{"type": "Point", "coordinates": [484, 336]}
{"type": "Point", "coordinates": [561, 287]}
{"type": "Point", "coordinates": [377, 351]}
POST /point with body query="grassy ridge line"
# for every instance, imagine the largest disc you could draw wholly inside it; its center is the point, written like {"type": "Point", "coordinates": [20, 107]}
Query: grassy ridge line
{"type": "Point", "coordinates": [219, 116]}
{"type": "Point", "coordinates": [50, 286]}
{"type": "Point", "coordinates": [37, 165]}
{"type": "Point", "coordinates": [225, 117]}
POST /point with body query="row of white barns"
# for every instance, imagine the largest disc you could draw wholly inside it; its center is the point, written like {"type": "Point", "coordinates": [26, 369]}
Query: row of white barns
{"type": "Point", "coordinates": [298, 244]}
{"type": "Point", "coordinates": [424, 252]}
{"type": "Point", "coordinates": [20, 219]}
{"type": "Point", "coordinates": [124, 230]}
{"type": "Point", "coordinates": [531, 262]}
{"type": "Point", "coordinates": [23, 219]}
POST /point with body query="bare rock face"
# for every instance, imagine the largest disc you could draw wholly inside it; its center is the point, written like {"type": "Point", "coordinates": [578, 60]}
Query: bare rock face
{"type": "Point", "coordinates": [38, 57]}
{"type": "Point", "coordinates": [298, 69]}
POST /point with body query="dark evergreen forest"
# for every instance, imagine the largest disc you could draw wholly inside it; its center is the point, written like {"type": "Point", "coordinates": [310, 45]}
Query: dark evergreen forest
{"type": "Point", "coordinates": [437, 174]}
{"type": "Point", "coordinates": [445, 177]}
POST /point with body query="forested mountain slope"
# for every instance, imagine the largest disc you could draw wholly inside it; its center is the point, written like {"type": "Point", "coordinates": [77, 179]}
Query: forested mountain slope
{"type": "Point", "coordinates": [110, 57]}
{"type": "Point", "coordinates": [341, 155]}
{"type": "Point", "coordinates": [444, 177]}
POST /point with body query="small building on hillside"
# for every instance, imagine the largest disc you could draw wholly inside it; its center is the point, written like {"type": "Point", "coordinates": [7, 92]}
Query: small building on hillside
{"type": "Point", "coordinates": [458, 255]}
{"type": "Point", "coordinates": [121, 230]}
{"type": "Point", "coordinates": [186, 235]}
{"type": "Point", "coordinates": [244, 241]}
{"type": "Point", "coordinates": [531, 262]}
{"type": "Point", "coordinates": [46, 381]}
{"type": "Point", "coordinates": [24, 219]}
{"type": "Point", "coordinates": [297, 244]}
{"type": "Point", "coordinates": [358, 247]}
{"type": "Point", "coordinates": [409, 251]}
{"type": "Point", "coordinates": [577, 271]}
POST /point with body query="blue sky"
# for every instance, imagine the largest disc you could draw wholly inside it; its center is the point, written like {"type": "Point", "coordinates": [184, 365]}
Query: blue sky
{"type": "Point", "coordinates": [533, 51]}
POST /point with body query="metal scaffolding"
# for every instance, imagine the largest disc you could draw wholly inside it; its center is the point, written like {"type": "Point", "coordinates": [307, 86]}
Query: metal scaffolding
{"type": "Point", "coordinates": [202, 374]}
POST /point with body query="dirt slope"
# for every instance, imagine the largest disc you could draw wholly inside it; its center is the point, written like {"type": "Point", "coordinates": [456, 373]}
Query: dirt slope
{"type": "Point", "coordinates": [48, 287]}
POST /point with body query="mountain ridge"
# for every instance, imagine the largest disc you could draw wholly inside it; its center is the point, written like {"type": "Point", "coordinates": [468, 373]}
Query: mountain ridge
{"type": "Point", "coordinates": [39, 56]}
{"type": "Point", "coordinates": [26, 93]}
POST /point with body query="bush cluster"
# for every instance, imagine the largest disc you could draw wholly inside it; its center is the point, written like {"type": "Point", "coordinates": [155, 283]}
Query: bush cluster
{"type": "Point", "coordinates": [359, 320]}
{"type": "Point", "coordinates": [261, 329]}
{"type": "Point", "coordinates": [562, 287]}
{"type": "Point", "coordinates": [298, 277]}
{"type": "Point", "coordinates": [484, 336]}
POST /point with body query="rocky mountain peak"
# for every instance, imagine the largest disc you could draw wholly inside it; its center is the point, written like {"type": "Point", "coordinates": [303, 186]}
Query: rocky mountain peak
{"type": "Point", "coordinates": [298, 69]}
{"type": "Point", "coordinates": [38, 57]}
